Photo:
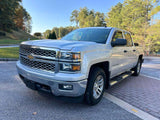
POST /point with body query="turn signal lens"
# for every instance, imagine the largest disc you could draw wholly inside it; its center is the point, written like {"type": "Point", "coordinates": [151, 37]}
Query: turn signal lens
{"type": "Point", "coordinates": [69, 67]}
{"type": "Point", "coordinates": [76, 68]}
{"type": "Point", "coordinates": [76, 56]}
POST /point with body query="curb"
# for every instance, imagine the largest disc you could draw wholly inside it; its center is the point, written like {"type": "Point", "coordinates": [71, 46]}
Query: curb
{"type": "Point", "coordinates": [8, 59]}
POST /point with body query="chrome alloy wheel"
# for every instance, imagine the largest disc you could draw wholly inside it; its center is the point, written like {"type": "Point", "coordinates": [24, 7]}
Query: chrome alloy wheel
{"type": "Point", "coordinates": [98, 86]}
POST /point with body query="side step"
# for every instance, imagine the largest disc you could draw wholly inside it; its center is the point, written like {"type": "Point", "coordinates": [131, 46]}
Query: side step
{"type": "Point", "coordinates": [119, 78]}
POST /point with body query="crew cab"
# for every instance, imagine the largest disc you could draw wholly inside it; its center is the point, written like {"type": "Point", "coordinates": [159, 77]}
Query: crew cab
{"type": "Point", "coordinates": [82, 63]}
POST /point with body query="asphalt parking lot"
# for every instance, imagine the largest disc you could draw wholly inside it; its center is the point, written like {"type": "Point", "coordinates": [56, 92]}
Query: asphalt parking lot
{"type": "Point", "coordinates": [18, 102]}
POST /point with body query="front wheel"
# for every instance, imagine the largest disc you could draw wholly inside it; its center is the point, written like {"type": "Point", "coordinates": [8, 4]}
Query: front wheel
{"type": "Point", "coordinates": [95, 86]}
{"type": "Point", "coordinates": [137, 68]}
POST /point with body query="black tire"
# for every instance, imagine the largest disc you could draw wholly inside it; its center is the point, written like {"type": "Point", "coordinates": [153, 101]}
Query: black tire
{"type": "Point", "coordinates": [95, 72]}
{"type": "Point", "coordinates": [137, 68]}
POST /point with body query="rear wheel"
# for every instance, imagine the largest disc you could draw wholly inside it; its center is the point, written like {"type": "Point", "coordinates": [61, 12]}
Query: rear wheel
{"type": "Point", "coordinates": [137, 68]}
{"type": "Point", "coordinates": [95, 86]}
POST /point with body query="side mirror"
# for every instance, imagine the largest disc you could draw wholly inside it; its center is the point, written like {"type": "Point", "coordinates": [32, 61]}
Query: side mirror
{"type": "Point", "coordinates": [136, 44]}
{"type": "Point", "coordinates": [119, 42]}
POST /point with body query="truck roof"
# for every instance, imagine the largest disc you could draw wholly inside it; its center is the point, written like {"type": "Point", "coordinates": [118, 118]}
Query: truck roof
{"type": "Point", "coordinates": [104, 28]}
{"type": "Point", "coordinates": [97, 28]}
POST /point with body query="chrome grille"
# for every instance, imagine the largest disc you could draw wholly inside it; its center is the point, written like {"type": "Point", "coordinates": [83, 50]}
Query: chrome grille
{"type": "Point", "coordinates": [37, 64]}
{"type": "Point", "coordinates": [26, 49]}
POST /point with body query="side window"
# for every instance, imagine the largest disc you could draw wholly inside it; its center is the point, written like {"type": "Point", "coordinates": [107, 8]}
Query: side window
{"type": "Point", "coordinates": [117, 34]}
{"type": "Point", "coordinates": [129, 39]}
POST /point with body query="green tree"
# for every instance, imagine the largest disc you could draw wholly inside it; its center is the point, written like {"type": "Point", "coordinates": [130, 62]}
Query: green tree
{"type": "Point", "coordinates": [27, 19]}
{"type": "Point", "coordinates": [7, 12]}
{"type": "Point", "coordinates": [87, 18]}
{"type": "Point", "coordinates": [114, 17]}
{"type": "Point", "coordinates": [99, 19]}
{"type": "Point", "coordinates": [153, 38]}
{"type": "Point", "coordinates": [82, 16]}
{"type": "Point", "coordinates": [46, 34]}
{"type": "Point", "coordinates": [89, 21]}
{"type": "Point", "coordinates": [52, 35]}
{"type": "Point", "coordinates": [56, 32]}
{"type": "Point", "coordinates": [38, 35]}
{"type": "Point", "coordinates": [14, 16]}
{"type": "Point", "coordinates": [137, 20]}
{"type": "Point", "coordinates": [136, 16]}
{"type": "Point", "coordinates": [74, 17]}
{"type": "Point", "coordinates": [18, 17]}
{"type": "Point", "coordinates": [156, 8]}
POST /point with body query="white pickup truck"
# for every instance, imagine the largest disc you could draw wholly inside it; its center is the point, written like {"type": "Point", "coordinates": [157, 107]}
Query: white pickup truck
{"type": "Point", "coordinates": [82, 63]}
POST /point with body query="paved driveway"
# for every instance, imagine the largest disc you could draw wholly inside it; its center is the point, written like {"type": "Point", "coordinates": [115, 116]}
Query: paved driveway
{"type": "Point", "coordinates": [19, 102]}
{"type": "Point", "coordinates": [143, 91]}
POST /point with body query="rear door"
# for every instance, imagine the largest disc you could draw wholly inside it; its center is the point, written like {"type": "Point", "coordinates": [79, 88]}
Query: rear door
{"type": "Point", "coordinates": [130, 54]}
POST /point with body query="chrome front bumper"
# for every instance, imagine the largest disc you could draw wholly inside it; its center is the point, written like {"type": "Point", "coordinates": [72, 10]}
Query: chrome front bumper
{"type": "Point", "coordinates": [53, 80]}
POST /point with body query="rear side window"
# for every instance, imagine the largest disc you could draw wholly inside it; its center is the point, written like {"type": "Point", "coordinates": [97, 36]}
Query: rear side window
{"type": "Point", "coordinates": [128, 38]}
{"type": "Point", "coordinates": [117, 35]}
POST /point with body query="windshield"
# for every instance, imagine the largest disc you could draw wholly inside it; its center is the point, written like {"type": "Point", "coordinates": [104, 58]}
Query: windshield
{"type": "Point", "coordinates": [88, 34]}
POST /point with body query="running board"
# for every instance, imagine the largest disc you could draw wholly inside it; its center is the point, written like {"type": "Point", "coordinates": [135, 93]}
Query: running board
{"type": "Point", "coordinates": [119, 78]}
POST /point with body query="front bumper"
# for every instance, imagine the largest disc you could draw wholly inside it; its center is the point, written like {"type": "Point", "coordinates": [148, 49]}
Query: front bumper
{"type": "Point", "coordinates": [53, 80]}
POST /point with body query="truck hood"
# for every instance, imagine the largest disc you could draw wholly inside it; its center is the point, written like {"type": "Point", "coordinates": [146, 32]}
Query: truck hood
{"type": "Point", "coordinates": [59, 44]}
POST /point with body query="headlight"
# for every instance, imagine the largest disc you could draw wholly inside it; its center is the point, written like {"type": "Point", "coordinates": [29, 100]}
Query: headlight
{"type": "Point", "coordinates": [69, 67]}
{"type": "Point", "coordinates": [71, 61]}
{"type": "Point", "coordinates": [70, 56]}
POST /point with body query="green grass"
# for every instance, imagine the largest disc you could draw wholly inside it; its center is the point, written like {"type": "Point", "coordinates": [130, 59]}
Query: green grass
{"type": "Point", "coordinates": [9, 52]}
{"type": "Point", "coordinates": [10, 41]}
{"type": "Point", "coordinates": [15, 37]}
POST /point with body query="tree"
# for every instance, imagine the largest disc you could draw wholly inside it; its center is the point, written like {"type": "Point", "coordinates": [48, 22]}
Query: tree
{"type": "Point", "coordinates": [46, 34]}
{"type": "Point", "coordinates": [99, 19]}
{"type": "Point", "coordinates": [82, 16]}
{"type": "Point", "coordinates": [74, 17]}
{"type": "Point", "coordinates": [87, 18]}
{"type": "Point", "coordinates": [62, 32]}
{"type": "Point", "coordinates": [153, 38]}
{"type": "Point", "coordinates": [14, 16]}
{"type": "Point", "coordinates": [56, 32]}
{"type": "Point", "coordinates": [18, 18]}
{"type": "Point", "coordinates": [52, 35]}
{"type": "Point", "coordinates": [114, 17]}
{"type": "Point", "coordinates": [89, 22]}
{"type": "Point", "coordinates": [137, 20]}
{"type": "Point", "coordinates": [38, 35]}
{"type": "Point", "coordinates": [156, 7]}
{"type": "Point", "coordinates": [7, 11]}
{"type": "Point", "coordinates": [27, 21]}
{"type": "Point", "coordinates": [135, 16]}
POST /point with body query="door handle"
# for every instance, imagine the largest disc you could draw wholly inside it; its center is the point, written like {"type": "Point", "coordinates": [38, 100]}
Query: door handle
{"type": "Point", "coordinates": [134, 50]}
{"type": "Point", "coordinates": [125, 51]}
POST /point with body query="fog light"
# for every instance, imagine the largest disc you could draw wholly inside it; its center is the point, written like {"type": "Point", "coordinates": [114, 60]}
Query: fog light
{"type": "Point", "coordinates": [65, 87]}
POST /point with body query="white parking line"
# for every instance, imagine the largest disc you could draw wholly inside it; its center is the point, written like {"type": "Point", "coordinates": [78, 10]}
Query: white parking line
{"type": "Point", "coordinates": [150, 76]}
{"type": "Point", "coordinates": [141, 114]}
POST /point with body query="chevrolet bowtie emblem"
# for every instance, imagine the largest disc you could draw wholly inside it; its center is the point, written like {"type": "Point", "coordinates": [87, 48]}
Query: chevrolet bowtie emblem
{"type": "Point", "coordinates": [30, 56]}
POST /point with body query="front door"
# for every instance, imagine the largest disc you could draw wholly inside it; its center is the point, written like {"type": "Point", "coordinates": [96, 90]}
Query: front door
{"type": "Point", "coordinates": [118, 57]}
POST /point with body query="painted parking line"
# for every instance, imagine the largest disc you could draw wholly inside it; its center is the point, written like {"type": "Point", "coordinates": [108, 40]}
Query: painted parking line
{"type": "Point", "coordinates": [150, 76]}
{"type": "Point", "coordinates": [139, 113]}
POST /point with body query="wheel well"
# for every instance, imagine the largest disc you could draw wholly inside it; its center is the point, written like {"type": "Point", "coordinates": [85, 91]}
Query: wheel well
{"type": "Point", "coordinates": [105, 67]}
